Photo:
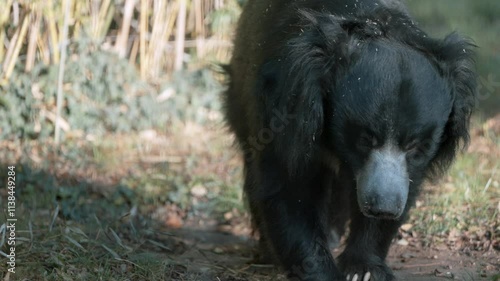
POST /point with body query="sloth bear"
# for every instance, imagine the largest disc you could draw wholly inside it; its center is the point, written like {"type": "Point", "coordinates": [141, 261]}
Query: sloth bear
{"type": "Point", "coordinates": [342, 108]}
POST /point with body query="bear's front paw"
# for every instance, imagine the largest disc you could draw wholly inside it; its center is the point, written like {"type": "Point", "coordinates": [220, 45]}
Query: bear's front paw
{"type": "Point", "coordinates": [365, 269]}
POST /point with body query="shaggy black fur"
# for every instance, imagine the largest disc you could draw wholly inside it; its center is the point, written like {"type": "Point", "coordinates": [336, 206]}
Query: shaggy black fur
{"type": "Point", "coordinates": [342, 109]}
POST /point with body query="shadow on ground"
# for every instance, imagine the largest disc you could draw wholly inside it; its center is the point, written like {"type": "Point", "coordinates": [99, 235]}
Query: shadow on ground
{"type": "Point", "coordinates": [74, 229]}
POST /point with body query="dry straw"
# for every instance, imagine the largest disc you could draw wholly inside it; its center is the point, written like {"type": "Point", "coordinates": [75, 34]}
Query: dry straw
{"type": "Point", "coordinates": [159, 36]}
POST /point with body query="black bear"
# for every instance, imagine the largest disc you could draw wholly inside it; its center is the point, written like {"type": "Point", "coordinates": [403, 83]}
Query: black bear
{"type": "Point", "coordinates": [342, 108]}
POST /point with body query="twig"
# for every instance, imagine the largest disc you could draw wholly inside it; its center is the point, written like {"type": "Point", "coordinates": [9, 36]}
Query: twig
{"type": "Point", "coordinates": [421, 265]}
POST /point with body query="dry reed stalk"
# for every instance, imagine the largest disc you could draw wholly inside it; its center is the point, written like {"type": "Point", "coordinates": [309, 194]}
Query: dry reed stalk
{"type": "Point", "coordinates": [106, 11]}
{"type": "Point", "coordinates": [168, 58]}
{"type": "Point", "coordinates": [52, 29]}
{"type": "Point", "coordinates": [122, 38]}
{"type": "Point", "coordinates": [2, 39]}
{"type": "Point", "coordinates": [208, 6]}
{"type": "Point", "coordinates": [80, 11]}
{"type": "Point", "coordinates": [94, 18]}
{"type": "Point", "coordinates": [10, 49]}
{"type": "Point", "coordinates": [32, 41]}
{"type": "Point", "coordinates": [199, 29]}
{"type": "Point", "coordinates": [101, 13]}
{"type": "Point", "coordinates": [180, 35]}
{"type": "Point", "coordinates": [156, 43]}
{"type": "Point", "coordinates": [43, 49]}
{"type": "Point", "coordinates": [134, 51]}
{"type": "Point", "coordinates": [15, 13]}
{"type": "Point", "coordinates": [163, 28]}
{"type": "Point", "coordinates": [218, 4]}
{"type": "Point", "coordinates": [166, 30]}
{"type": "Point", "coordinates": [143, 33]}
{"type": "Point", "coordinates": [220, 38]}
{"type": "Point", "coordinates": [4, 14]}
{"type": "Point", "coordinates": [64, 43]}
{"type": "Point", "coordinates": [15, 48]}
{"type": "Point", "coordinates": [4, 18]}
{"type": "Point", "coordinates": [101, 17]}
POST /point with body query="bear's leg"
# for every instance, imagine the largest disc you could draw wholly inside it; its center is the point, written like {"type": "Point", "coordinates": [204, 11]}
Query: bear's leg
{"type": "Point", "coordinates": [367, 247]}
{"type": "Point", "coordinates": [291, 219]}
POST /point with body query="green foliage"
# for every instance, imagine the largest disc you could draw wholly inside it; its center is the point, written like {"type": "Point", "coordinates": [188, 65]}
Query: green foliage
{"type": "Point", "coordinates": [478, 20]}
{"type": "Point", "coordinates": [102, 93]}
{"type": "Point", "coordinates": [195, 96]}
{"type": "Point", "coordinates": [241, 2]}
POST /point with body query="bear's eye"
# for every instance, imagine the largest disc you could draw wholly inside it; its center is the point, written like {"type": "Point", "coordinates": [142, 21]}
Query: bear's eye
{"type": "Point", "coordinates": [368, 140]}
{"type": "Point", "coordinates": [416, 151]}
{"type": "Point", "coordinates": [412, 146]}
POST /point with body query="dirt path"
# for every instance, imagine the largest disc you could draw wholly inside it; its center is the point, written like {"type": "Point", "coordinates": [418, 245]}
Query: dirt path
{"type": "Point", "coordinates": [210, 255]}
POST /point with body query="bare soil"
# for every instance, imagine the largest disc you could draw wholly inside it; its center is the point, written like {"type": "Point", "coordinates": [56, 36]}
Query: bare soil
{"type": "Point", "coordinates": [208, 254]}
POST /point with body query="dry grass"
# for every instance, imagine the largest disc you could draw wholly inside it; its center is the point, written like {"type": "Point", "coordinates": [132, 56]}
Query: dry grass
{"type": "Point", "coordinates": [157, 35]}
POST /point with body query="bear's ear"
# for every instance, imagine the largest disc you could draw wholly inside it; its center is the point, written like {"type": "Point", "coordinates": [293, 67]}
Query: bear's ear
{"type": "Point", "coordinates": [297, 91]}
{"type": "Point", "coordinates": [456, 56]}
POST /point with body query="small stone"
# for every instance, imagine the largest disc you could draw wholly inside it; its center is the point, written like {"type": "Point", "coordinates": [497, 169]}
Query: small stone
{"type": "Point", "coordinates": [406, 227]}
{"type": "Point", "coordinates": [198, 190]}
{"type": "Point", "coordinates": [403, 242]}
